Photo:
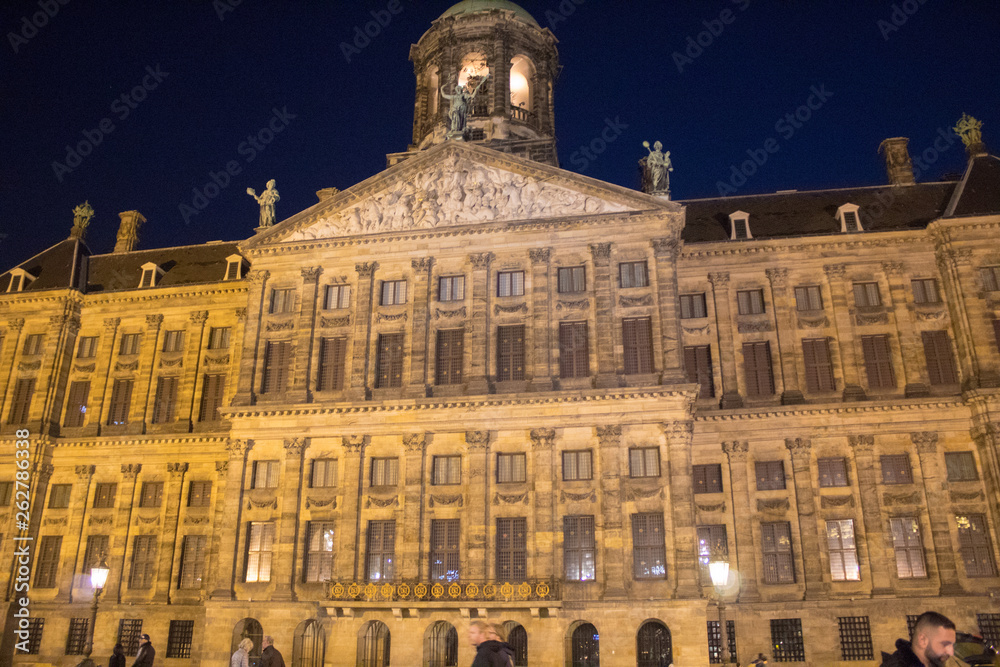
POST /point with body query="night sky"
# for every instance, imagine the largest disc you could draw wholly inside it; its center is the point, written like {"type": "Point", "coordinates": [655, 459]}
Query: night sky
{"type": "Point", "coordinates": [885, 69]}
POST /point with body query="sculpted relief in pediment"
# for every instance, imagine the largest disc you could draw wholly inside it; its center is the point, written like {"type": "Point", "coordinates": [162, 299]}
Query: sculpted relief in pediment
{"type": "Point", "coordinates": [455, 192]}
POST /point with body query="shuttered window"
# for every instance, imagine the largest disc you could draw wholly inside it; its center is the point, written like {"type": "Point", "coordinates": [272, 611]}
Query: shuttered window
{"type": "Point", "coordinates": [129, 344]}
{"type": "Point", "coordinates": [974, 545]}
{"type": "Point", "coordinates": [693, 306]}
{"type": "Point", "coordinates": [510, 353]}
{"type": "Point", "coordinates": [151, 494]}
{"type": "Point", "coordinates": [193, 561]}
{"type": "Point", "coordinates": [698, 369]}
{"type": "Point", "coordinates": [143, 572]}
{"type": "Point", "coordinates": [649, 550]}
{"type": "Point", "coordinates": [33, 344]}
{"type": "Point", "coordinates": [878, 362]}
{"type": "Point", "coordinates": [572, 279]}
{"type": "Point", "coordinates": [940, 362]}
{"type": "Point", "coordinates": [776, 545]}
{"type": "Point", "coordinates": [925, 291]}
{"type": "Point", "coordinates": [104, 495]}
{"type": "Point", "coordinates": [512, 549]}
{"type": "Point", "coordinates": [866, 295]}
{"type": "Point", "coordinates": [389, 361]}
{"type": "Point", "coordinates": [199, 494]}
{"type": "Point", "coordinates": [991, 278]}
{"type": "Point", "coordinates": [218, 338]}
{"type": "Point", "coordinates": [759, 372]}
{"type": "Point", "coordinates": [319, 557]}
{"type": "Point", "coordinates": [896, 469]}
{"type": "Point", "coordinates": [577, 465]}
{"type": "Point", "coordinates": [808, 297]}
{"type": "Point", "coordinates": [265, 474]}
{"type": "Point", "coordinates": [59, 496]}
{"type": "Point", "coordinates": [451, 288]}
{"type": "Point", "coordinates": [446, 470]}
{"type": "Point", "coordinates": [121, 401]}
{"type": "Point", "coordinates": [644, 462]}
{"type": "Point", "coordinates": [819, 365]}
{"type": "Point", "coordinates": [97, 548]}
{"type": "Point", "coordinates": [393, 292]}
{"type": "Point", "coordinates": [380, 556]}
{"type": "Point", "coordinates": [633, 274]}
{"type": "Point", "coordinates": [961, 467]}
{"type": "Point", "coordinates": [448, 357]}
{"type": "Point", "coordinates": [511, 468]}
{"type": "Point", "coordinates": [166, 399]}
{"type": "Point", "coordinates": [574, 356]}
{"type": "Point", "coordinates": [832, 472]}
{"type": "Point", "coordinates": [445, 557]}
{"type": "Point", "coordinates": [750, 302]}
{"type": "Point", "coordinates": [6, 493]}
{"type": "Point", "coordinates": [908, 547]}
{"type": "Point", "coordinates": [332, 357]}
{"type": "Point", "coordinates": [324, 473]}
{"type": "Point", "coordinates": [260, 545]}
{"type": "Point", "coordinates": [213, 388]}
{"type": "Point", "coordinates": [384, 472]}
{"type": "Point", "coordinates": [173, 341]}
{"type": "Point", "coordinates": [87, 348]}
{"type": "Point", "coordinates": [770, 475]}
{"type": "Point", "coordinates": [707, 478]}
{"type": "Point", "coordinates": [637, 339]}
{"type": "Point", "coordinates": [713, 545]}
{"type": "Point", "coordinates": [996, 332]}
{"type": "Point", "coordinates": [510, 283]}
{"type": "Point", "coordinates": [338, 297]}
{"type": "Point", "coordinates": [282, 301]}
{"type": "Point", "coordinates": [20, 408]}
{"type": "Point", "coordinates": [579, 548]}
{"type": "Point", "coordinates": [277, 360]}
{"type": "Point", "coordinates": [48, 561]}
{"type": "Point", "coordinates": [76, 404]}
{"type": "Point", "coordinates": [843, 550]}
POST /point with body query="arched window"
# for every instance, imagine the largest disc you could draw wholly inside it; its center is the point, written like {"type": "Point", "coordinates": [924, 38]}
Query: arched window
{"type": "Point", "coordinates": [441, 645]}
{"type": "Point", "coordinates": [517, 637]}
{"type": "Point", "coordinates": [522, 83]}
{"type": "Point", "coordinates": [373, 645]}
{"type": "Point", "coordinates": [433, 93]}
{"type": "Point", "coordinates": [309, 645]}
{"type": "Point", "coordinates": [585, 646]}
{"type": "Point", "coordinates": [653, 646]}
{"type": "Point", "coordinates": [249, 628]}
{"type": "Point", "coordinates": [470, 75]}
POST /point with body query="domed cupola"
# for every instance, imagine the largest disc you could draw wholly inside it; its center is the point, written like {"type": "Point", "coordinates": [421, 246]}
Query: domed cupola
{"type": "Point", "coordinates": [496, 50]}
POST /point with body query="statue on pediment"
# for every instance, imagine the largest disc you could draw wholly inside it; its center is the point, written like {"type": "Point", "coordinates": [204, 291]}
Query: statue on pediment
{"type": "Point", "coordinates": [267, 199]}
{"type": "Point", "coordinates": [655, 179]}
{"type": "Point", "coordinates": [81, 219]}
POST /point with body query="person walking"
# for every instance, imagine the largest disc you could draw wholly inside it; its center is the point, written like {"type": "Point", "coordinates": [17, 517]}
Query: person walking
{"type": "Point", "coordinates": [932, 643]}
{"type": "Point", "coordinates": [498, 634]}
{"type": "Point", "coordinates": [489, 652]}
{"type": "Point", "coordinates": [144, 658]}
{"type": "Point", "coordinates": [241, 658]}
{"type": "Point", "coordinates": [117, 658]}
{"type": "Point", "coordinates": [270, 656]}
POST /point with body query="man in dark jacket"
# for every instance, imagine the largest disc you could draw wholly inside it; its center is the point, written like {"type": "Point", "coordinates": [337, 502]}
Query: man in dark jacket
{"type": "Point", "coordinates": [931, 645]}
{"type": "Point", "coordinates": [489, 652]}
{"type": "Point", "coordinates": [270, 657]}
{"type": "Point", "coordinates": [144, 658]}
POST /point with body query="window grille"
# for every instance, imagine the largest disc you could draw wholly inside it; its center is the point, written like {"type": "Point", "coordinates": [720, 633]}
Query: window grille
{"type": "Point", "coordinates": [776, 544]}
{"type": "Point", "coordinates": [585, 646]}
{"type": "Point", "coordinates": [855, 638]}
{"type": "Point", "coordinates": [510, 353]}
{"type": "Point", "coordinates": [648, 546]}
{"type": "Point", "coordinates": [786, 640]}
{"type": "Point", "coordinates": [579, 548]}
{"type": "Point", "coordinates": [338, 297]}
{"type": "Point", "coordinates": [389, 361]}
{"type": "Point", "coordinates": [193, 561]}
{"type": "Point", "coordinates": [445, 557]}
{"type": "Point", "coordinates": [393, 292]}
{"type": "Point", "coordinates": [832, 472]}
{"type": "Point", "coordinates": [715, 642]}
{"type": "Point", "coordinates": [143, 572]}
{"type": "Point", "coordinates": [770, 475]}
{"type": "Point", "coordinates": [380, 558]}
{"type": "Point", "coordinates": [76, 640]}
{"type": "Point", "coordinates": [449, 356]}
{"type": "Point", "coordinates": [653, 645]}
{"type": "Point", "coordinates": [974, 545]}
{"type": "Point", "coordinates": [199, 494]}
{"type": "Point", "coordinates": [707, 478]}
{"type": "Point", "coordinates": [896, 469]}
{"type": "Point", "coordinates": [129, 630]}
{"type": "Point", "coordinates": [104, 495]}
{"type": "Point", "coordinates": [180, 639]}
{"type": "Point", "coordinates": [512, 549]}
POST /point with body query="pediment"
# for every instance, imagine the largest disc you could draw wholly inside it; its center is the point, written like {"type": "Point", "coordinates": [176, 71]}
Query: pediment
{"type": "Point", "coordinates": [457, 184]}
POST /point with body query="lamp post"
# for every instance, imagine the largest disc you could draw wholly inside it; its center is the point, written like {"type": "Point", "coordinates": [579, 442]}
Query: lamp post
{"type": "Point", "coordinates": [719, 571]}
{"type": "Point", "coordinates": [98, 577]}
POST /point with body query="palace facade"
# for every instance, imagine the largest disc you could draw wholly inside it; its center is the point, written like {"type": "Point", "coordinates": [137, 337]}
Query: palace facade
{"type": "Point", "coordinates": [477, 385]}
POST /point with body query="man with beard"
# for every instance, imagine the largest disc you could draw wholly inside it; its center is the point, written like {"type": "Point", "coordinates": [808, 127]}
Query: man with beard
{"type": "Point", "coordinates": [931, 645]}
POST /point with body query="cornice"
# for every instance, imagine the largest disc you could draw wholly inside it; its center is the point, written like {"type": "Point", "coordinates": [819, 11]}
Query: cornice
{"type": "Point", "coordinates": [100, 441]}
{"type": "Point", "coordinates": [824, 241]}
{"type": "Point", "coordinates": [798, 410]}
{"type": "Point", "coordinates": [136, 296]}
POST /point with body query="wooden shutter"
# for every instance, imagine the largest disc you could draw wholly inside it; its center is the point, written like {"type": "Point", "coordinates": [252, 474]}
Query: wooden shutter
{"type": "Point", "coordinates": [76, 404]}
{"type": "Point", "coordinates": [143, 562]}
{"type": "Point", "coordinates": [974, 545]}
{"type": "Point", "coordinates": [512, 549]}
{"type": "Point", "coordinates": [332, 355]}
{"type": "Point", "coordinates": [121, 400]}
{"type": "Point", "coordinates": [276, 361]}
{"type": "Point", "coordinates": [193, 561]}
{"type": "Point", "coordinates": [573, 353]}
{"type": "Point", "coordinates": [21, 408]}
{"type": "Point", "coordinates": [757, 365]}
{"type": "Point", "coordinates": [940, 362]}
{"type": "Point", "coordinates": [448, 358]}
{"type": "Point", "coordinates": [510, 353]}
{"type": "Point", "coordinates": [166, 398]}
{"type": "Point", "coordinates": [878, 362]}
{"type": "Point", "coordinates": [389, 361]}
{"type": "Point", "coordinates": [637, 339]}
{"type": "Point", "coordinates": [97, 546]}
{"type": "Point", "coordinates": [819, 365]}
{"type": "Point", "coordinates": [698, 368]}
{"type": "Point", "coordinates": [212, 390]}
{"type": "Point", "coordinates": [649, 558]}
{"type": "Point", "coordinates": [48, 561]}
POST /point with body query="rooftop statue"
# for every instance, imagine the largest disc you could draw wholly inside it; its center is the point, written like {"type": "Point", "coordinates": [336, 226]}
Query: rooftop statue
{"type": "Point", "coordinates": [655, 166]}
{"type": "Point", "coordinates": [458, 113]}
{"type": "Point", "coordinates": [267, 200]}
{"type": "Point", "coordinates": [970, 130]}
{"type": "Point", "coordinates": [81, 219]}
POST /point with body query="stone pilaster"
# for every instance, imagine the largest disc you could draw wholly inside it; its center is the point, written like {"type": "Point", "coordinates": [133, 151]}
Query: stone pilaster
{"type": "Point", "coordinates": [363, 353]}
{"type": "Point", "coordinates": [8, 359]}
{"type": "Point", "coordinates": [478, 335]}
{"type": "Point", "coordinates": [478, 446]}
{"type": "Point", "coordinates": [666, 251]}
{"type": "Point", "coordinates": [933, 473]}
{"type": "Point", "coordinates": [604, 336]}
{"type": "Point", "coordinates": [611, 521]}
{"type": "Point", "coordinates": [410, 562]}
{"type": "Point", "coordinates": [543, 330]}
{"type": "Point", "coordinates": [228, 519]}
{"type": "Point", "coordinates": [77, 516]}
{"type": "Point", "coordinates": [805, 500]}
{"type": "Point", "coordinates": [910, 343]}
{"type": "Point", "coordinates": [100, 390]}
{"type": "Point", "coordinates": [251, 356]}
{"type": "Point", "coordinates": [958, 279]}
{"type": "Point", "coordinates": [421, 345]}
{"type": "Point", "coordinates": [289, 500]}
{"type": "Point", "coordinates": [737, 452]}
{"type": "Point", "coordinates": [354, 475]}
{"type": "Point", "coordinates": [987, 439]}
{"type": "Point", "coordinates": [144, 394]}
{"type": "Point", "coordinates": [877, 538]}
{"type": "Point", "coordinates": [685, 538]}
{"type": "Point", "coordinates": [842, 314]}
{"type": "Point", "coordinates": [783, 309]}
{"type": "Point", "coordinates": [724, 324]}
{"type": "Point", "coordinates": [122, 533]}
{"type": "Point", "coordinates": [170, 543]}
{"type": "Point", "coordinates": [192, 389]}
{"type": "Point", "coordinates": [545, 529]}
{"type": "Point", "coordinates": [303, 380]}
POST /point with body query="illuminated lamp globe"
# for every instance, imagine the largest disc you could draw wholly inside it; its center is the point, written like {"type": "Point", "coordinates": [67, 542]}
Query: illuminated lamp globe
{"type": "Point", "coordinates": [719, 571]}
{"type": "Point", "coordinates": [99, 574]}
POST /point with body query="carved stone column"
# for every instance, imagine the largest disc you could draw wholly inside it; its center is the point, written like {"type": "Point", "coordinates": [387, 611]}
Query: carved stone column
{"type": "Point", "coordinates": [724, 324]}
{"type": "Point", "coordinates": [363, 356]}
{"type": "Point", "coordinates": [610, 523]}
{"type": "Point", "coordinates": [666, 251]}
{"type": "Point", "coordinates": [604, 336]}
{"type": "Point", "coordinates": [122, 533]}
{"type": "Point", "coordinates": [542, 331]}
{"type": "Point", "coordinates": [933, 472]}
{"type": "Point", "coordinates": [739, 487]}
{"type": "Point", "coordinates": [421, 347]}
{"type": "Point", "coordinates": [227, 529]}
{"type": "Point", "coordinates": [289, 501]}
{"type": "Point", "coordinates": [304, 378]}
{"type": "Point", "coordinates": [685, 538]}
{"type": "Point", "coordinates": [805, 501]}
{"type": "Point", "coordinates": [842, 314]}
{"type": "Point", "coordinates": [350, 539]}
{"type": "Point", "coordinates": [59, 349]}
{"type": "Point", "coordinates": [545, 529]}
{"type": "Point", "coordinates": [170, 543]}
{"type": "Point", "coordinates": [784, 312]}
{"type": "Point", "coordinates": [479, 331]}
{"type": "Point", "coordinates": [251, 357]}
{"type": "Point", "coordinates": [877, 538]}
{"type": "Point", "coordinates": [477, 444]}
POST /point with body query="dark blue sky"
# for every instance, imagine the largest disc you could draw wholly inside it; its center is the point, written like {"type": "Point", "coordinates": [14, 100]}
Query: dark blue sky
{"type": "Point", "coordinates": [221, 80]}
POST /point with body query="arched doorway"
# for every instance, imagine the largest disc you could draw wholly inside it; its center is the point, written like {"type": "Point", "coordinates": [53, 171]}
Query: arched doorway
{"type": "Point", "coordinates": [585, 646]}
{"type": "Point", "coordinates": [441, 645]}
{"type": "Point", "coordinates": [653, 647]}
{"type": "Point", "coordinates": [517, 637]}
{"type": "Point", "coordinates": [309, 645]}
{"type": "Point", "coordinates": [249, 628]}
{"type": "Point", "coordinates": [373, 645]}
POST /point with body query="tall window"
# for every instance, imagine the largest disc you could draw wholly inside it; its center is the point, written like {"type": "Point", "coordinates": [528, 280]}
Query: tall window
{"type": "Point", "coordinates": [180, 639]}
{"type": "Point", "coordinates": [878, 362]}
{"type": "Point", "coordinates": [574, 356]}
{"type": "Point", "coordinates": [510, 283]}
{"type": "Point", "coordinates": [193, 561]}
{"type": "Point", "coordinates": [633, 274]}
{"type": "Point", "coordinates": [338, 297]}
{"type": "Point", "coordinates": [76, 640]}
{"type": "Point", "coordinates": [990, 276]}
{"type": "Point", "coordinates": [693, 306]}
{"type": "Point", "coordinates": [87, 348]}
{"type": "Point", "coordinates": [770, 475]}
{"type": "Point", "coordinates": [319, 558]}
{"type": "Point", "coordinates": [277, 360]}
{"type": "Point", "coordinates": [808, 297]}
{"type": "Point", "coordinates": [451, 288]}
{"type": "Point", "coordinates": [449, 356]}
{"type": "Point", "coordinates": [441, 647]}
{"type": "Point", "coordinates": [819, 365]}
{"type": "Point", "coordinates": [908, 547]}
{"type": "Point", "coordinates": [511, 468]}
{"type": "Point", "coordinates": [389, 361]}
{"type": "Point", "coordinates": [282, 301]}
{"type": "Point", "coordinates": [698, 369]}
{"type": "Point", "coordinates": [6, 493]}
{"type": "Point", "coordinates": [260, 544]}
{"type": "Point", "coordinates": [653, 645]}
{"type": "Point", "coordinates": [517, 637]}
{"type": "Point", "coordinates": [713, 545]}
{"type": "Point", "coordinates": [832, 472]}
{"type": "Point", "coordinates": [332, 356]}
{"type": "Point", "coordinates": [213, 388]}
{"type": "Point", "coordinates": [373, 647]}
{"type": "Point", "coordinates": [33, 344]}
{"type": "Point", "coordinates": [129, 344]}
{"type": "Point", "coordinates": [151, 494]}
{"type": "Point", "coordinates": [786, 638]}
{"type": "Point", "coordinates": [577, 465]}
{"type": "Point", "coordinates": [649, 550]}
{"type": "Point", "coordinates": [644, 462]}
{"type": "Point", "coordinates": [843, 550]}
{"type": "Point", "coordinates": [385, 472]}
{"type": "Point", "coordinates": [750, 302]}
{"type": "Point", "coordinates": [510, 353]}
{"type": "Point", "coordinates": [97, 547]}
{"type": "Point", "coordinates": [512, 549]}
{"type": "Point", "coordinates": [572, 279]}
{"type": "Point", "coordinates": [393, 292]}
{"type": "Point", "coordinates": [173, 341]}
{"type": "Point", "coordinates": [940, 362]}
{"type": "Point", "coordinates": [579, 548]}
{"type": "Point", "coordinates": [925, 291]}
{"type": "Point", "coordinates": [637, 339]}
{"type": "Point", "coordinates": [380, 557]}
{"type": "Point", "coordinates": [445, 557]}
{"type": "Point", "coordinates": [76, 404]}
{"type": "Point", "coordinates": [166, 400]}
{"type": "Point", "coordinates": [896, 469]}
{"type": "Point", "coordinates": [324, 473]}
{"type": "Point", "coordinates": [974, 545]}
{"type": "Point", "coordinates": [20, 409]}
{"type": "Point", "coordinates": [707, 478]}
{"type": "Point", "coordinates": [961, 467]}
{"type": "Point", "coordinates": [143, 572]}
{"type": "Point", "coordinates": [585, 646]}
{"type": "Point", "coordinates": [48, 561]}
{"type": "Point", "coordinates": [715, 642]}
{"type": "Point", "coordinates": [129, 630]}
{"type": "Point", "coordinates": [121, 400]}
{"type": "Point", "coordinates": [446, 470]}
{"type": "Point", "coordinates": [758, 368]}
{"type": "Point", "coordinates": [199, 493]}
{"type": "Point", "coordinates": [104, 495]}
{"type": "Point", "coordinates": [59, 495]}
{"type": "Point", "coordinates": [866, 295]}
{"type": "Point", "coordinates": [218, 338]}
{"type": "Point", "coordinates": [776, 544]}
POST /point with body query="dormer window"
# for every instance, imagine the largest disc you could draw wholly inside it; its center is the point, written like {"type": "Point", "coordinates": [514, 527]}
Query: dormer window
{"type": "Point", "coordinates": [850, 218]}
{"type": "Point", "coordinates": [234, 268]}
{"type": "Point", "coordinates": [151, 274]}
{"type": "Point", "coordinates": [19, 280]}
{"type": "Point", "coordinates": [739, 226]}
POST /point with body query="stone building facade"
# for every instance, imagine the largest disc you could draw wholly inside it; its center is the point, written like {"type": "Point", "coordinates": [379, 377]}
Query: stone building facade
{"type": "Point", "coordinates": [450, 393]}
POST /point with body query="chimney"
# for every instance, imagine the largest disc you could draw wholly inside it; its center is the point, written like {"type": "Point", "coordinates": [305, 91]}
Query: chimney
{"type": "Point", "coordinates": [897, 161]}
{"type": "Point", "coordinates": [128, 232]}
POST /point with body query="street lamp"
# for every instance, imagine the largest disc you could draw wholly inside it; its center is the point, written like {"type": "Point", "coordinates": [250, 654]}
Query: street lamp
{"type": "Point", "coordinates": [98, 577]}
{"type": "Point", "coordinates": [719, 571]}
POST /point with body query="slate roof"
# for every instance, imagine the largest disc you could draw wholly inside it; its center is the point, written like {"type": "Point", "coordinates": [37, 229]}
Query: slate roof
{"type": "Point", "coordinates": [52, 268]}
{"type": "Point", "coordinates": [978, 192]}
